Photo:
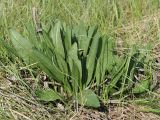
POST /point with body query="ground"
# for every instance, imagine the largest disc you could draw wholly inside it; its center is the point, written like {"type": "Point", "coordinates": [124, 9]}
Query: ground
{"type": "Point", "coordinates": [17, 103]}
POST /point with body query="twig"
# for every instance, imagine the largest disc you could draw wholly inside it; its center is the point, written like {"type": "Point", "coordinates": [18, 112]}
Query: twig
{"type": "Point", "coordinates": [36, 20]}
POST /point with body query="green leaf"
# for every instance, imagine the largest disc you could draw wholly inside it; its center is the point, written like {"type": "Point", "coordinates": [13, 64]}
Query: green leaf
{"type": "Point", "coordinates": [63, 67]}
{"type": "Point", "coordinates": [48, 66]}
{"type": "Point", "coordinates": [75, 67]}
{"type": "Point", "coordinates": [56, 37]}
{"type": "Point", "coordinates": [98, 72]}
{"type": "Point", "coordinates": [88, 98]}
{"type": "Point", "coordinates": [82, 36]}
{"type": "Point", "coordinates": [91, 58]}
{"type": "Point", "coordinates": [67, 39]}
{"type": "Point", "coordinates": [87, 40]}
{"type": "Point", "coordinates": [22, 45]}
{"type": "Point", "coordinates": [47, 95]}
{"type": "Point", "coordinates": [62, 64]}
{"type": "Point", "coordinates": [92, 31]}
{"type": "Point", "coordinates": [105, 61]}
{"type": "Point", "coordinates": [108, 54]}
{"type": "Point", "coordinates": [141, 87]}
{"type": "Point", "coordinates": [31, 32]}
{"type": "Point", "coordinates": [46, 40]}
{"type": "Point", "coordinates": [76, 77]}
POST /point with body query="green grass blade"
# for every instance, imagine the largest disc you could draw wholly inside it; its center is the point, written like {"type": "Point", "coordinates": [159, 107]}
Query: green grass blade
{"type": "Point", "coordinates": [117, 76]}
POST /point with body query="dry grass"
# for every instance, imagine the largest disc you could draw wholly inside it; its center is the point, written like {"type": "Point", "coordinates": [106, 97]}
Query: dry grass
{"type": "Point", "coordinates": [130, 112]}
{"type": "Point", "coordinates": [140, 32]}
{"type": "Point", "coordinates": [16, 103]}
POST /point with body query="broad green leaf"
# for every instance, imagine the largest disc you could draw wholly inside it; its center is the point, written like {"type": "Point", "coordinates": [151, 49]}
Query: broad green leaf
{"type": "Point", "coordinates": [56, 37]}
{"type": "Point", "coordinates": [68, 39]}
{"type": "Point", "coordinates": [63, 67]}
{"type": "Point", "coordinates": [76, 77]}
{"type": "Point", "coordinates": [92, 31]}
{"type": "Point", "coordinates": [47, 95]}
{"type": "Point", "coordinates": [100, 66]}
{"type": "Point", "coordinates": [87, 39]}
{"type": "Point", "coordinates": [98, 72]}
{"type": "Point", "coordinates": [108, 54]}
{"type": "Point", "coordinates": [88, 98]}
{"type": "Point", "coordinates": [48, 66]}
{"type": "Point", "coordinates": [91, 58]}
{"type": "Point", "coordinates": [105, 60]}
{"type": "Point", "coordinates": [32, 35]}
{"type": "Point", "coordinates": [73, 54]}
{"type": "Point", "coordinates": [62, 64]}
{"type": "Point", "coordinates": [45, 39]}
{"type": "Point", "coordinates": [75, 66]}
{"type": "Point", "coordinates": [82, 36]}
{"type": "Point", "coordinates": [141, 87]}
{"type": "Point", "coordinates": [22, 45]}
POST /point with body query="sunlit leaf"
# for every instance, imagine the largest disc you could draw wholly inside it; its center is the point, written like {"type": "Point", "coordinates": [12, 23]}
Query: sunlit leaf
{"type": "Point", "coordinates": [21, 44]}
{"type": "Point", "coordinates": [91, 58]}
{"type": "Point", "coordinates": [88, 98]}
{"type": "Point", "coordinates": [141, 87]}
{"type": "Point", "coordinates": [47, 95]}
